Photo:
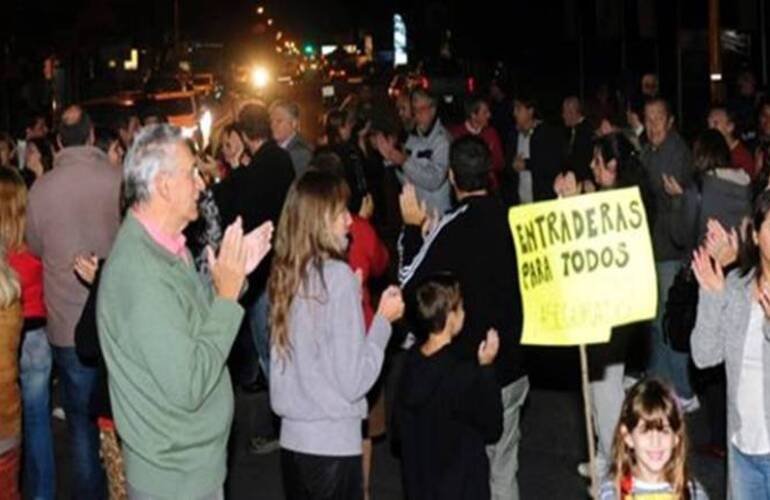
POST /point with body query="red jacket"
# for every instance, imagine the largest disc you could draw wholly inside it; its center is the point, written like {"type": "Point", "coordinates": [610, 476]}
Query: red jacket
{"type": "Point", "coordinates": [29, 269]}
{"type": "Point", "coordinates": [368, 254]}
{"type": "Point", "coordinates": [489, 135]}
{"type": "Point", "coordinates": [741, 158]}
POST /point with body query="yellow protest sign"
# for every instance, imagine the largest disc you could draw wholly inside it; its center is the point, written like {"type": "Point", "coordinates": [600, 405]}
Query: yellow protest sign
{"type": "Point", "coordinates": [585, 264]}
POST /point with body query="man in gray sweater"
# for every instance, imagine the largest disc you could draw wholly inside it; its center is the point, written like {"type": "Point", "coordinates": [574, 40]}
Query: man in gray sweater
{"type": "Point", "coordinates": [668, 164]}
{"type": "Point", "coordinates": [425, 159]}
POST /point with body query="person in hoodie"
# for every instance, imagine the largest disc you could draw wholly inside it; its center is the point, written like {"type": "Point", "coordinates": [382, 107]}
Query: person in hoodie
{"type": "Point", "coordinates": [474, 242]}
{"type": "Point", "coordinates": [722, 192]}
{"type": "Point", "coordinates": [448, 409]}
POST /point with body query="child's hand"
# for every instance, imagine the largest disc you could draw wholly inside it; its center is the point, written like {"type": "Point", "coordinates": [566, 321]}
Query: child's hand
{"type": "Point", "coordinates": [489, 347]}
{"type": "Point", "coordinates": [85, 267]}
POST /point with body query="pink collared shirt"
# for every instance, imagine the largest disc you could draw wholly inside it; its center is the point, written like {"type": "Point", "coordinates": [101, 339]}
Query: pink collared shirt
{"type": "Point", "coordinates": [175, 245]}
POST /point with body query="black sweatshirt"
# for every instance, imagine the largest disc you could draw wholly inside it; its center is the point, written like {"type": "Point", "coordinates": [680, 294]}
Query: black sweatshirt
{"type": "Point", "coordinates": [474, 243]}
{"type": "Point", "coordinates": [447, 411]}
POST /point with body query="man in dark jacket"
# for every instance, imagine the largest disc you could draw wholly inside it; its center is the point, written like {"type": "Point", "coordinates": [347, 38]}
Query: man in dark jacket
{"type": "Point", "coordinates": [256, 193]}
{"type": "Point", "coordinates": [579, 135]}
{"type": "Point", "coordinates": [474, 242]}
{"type": "Point", "coordinates": [535, 157]}
{"type": "Point", "coordinates": [669, 168]}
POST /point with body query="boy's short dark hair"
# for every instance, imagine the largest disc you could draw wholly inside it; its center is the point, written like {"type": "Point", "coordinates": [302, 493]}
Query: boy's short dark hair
{"type": "Point", "coordinates": [436, 297]}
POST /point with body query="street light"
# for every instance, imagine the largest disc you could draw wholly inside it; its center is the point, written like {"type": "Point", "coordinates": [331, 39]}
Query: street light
{"type": "Point", "coordinates": [260, 77]}
{"type": "Point", "coordinates": [260, 10]}
{"type": "Point", "coordinates": [270, 22]}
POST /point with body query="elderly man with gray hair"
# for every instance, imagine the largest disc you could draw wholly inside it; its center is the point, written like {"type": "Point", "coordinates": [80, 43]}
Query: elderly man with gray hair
{"type": "Point", "coordinates": [164, 335]}
{"type": "Point", "coordinates": [284, 123]}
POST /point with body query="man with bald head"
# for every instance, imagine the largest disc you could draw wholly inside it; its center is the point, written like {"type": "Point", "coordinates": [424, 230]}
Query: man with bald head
{"type": "Point", "coordinates": [579, 139]}
{"type": "Point", "coordinates": [73, 211]}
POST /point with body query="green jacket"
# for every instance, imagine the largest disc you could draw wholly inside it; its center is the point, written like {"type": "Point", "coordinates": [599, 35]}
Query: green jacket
{"type": "Point", "coordinates": [165, 340]}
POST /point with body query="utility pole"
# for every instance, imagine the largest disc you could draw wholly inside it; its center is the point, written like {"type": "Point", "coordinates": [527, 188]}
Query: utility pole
{"type": "Point", "coordinates": [715, 54]}
{"type": "Point", "coordinates": [763, 36]}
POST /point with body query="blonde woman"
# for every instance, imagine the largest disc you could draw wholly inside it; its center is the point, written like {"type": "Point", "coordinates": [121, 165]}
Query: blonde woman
{"type": "Point", "coordinates": [36, 358]}
{"type": "Point", "coordinates": [10, 393]}
{"type": "Point", "coordinates": [321, 362]}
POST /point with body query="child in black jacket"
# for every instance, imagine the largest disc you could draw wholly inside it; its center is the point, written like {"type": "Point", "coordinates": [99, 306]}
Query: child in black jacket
{"type": "Point", "coordinates": [448, 409]}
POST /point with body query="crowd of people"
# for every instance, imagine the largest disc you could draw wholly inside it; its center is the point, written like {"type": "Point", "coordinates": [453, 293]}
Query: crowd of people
{"type": "Point", "coordinates": [370, 283]}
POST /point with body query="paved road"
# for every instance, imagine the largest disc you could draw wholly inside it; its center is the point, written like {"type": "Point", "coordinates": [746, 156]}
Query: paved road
{"type": "Point", "coordinates": [552, 444]}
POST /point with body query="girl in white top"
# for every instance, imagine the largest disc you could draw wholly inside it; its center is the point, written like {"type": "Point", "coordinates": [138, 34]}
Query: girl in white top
{"type": "Point", "coordinates": [650, 448]}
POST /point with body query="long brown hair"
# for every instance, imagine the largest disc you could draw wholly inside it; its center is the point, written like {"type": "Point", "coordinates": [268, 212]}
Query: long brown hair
{"type": "Point", "coordinates": [13, 209]}
{"type": "Point", "coordinates": [651, 403]}
{"type": "Point", "coordinates": [303, 239]}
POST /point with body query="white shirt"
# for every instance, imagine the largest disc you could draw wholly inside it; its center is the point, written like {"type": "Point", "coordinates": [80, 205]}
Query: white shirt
{"type": "Point", "coordinates": [752, 438]}
{"type": "Point", "coordinates": [285, 144]}
{"type": "Point", "coordinates": [522, 146]}
{"type": "Point", "coordinates": [525, 176]}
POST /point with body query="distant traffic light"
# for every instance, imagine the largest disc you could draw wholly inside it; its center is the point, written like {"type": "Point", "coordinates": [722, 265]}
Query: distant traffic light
{"type": "Point", "coordinates": [309, 49]}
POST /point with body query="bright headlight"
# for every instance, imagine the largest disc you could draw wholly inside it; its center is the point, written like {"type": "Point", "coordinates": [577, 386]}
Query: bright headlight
{"type": "Point", "coordinates": [260, 77]}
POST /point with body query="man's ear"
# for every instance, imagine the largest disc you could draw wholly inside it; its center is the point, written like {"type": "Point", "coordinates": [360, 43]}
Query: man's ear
{"type": "Point", "coordinates": [161, 186]}
{"type": "Point", "coordinates": [452, 178]}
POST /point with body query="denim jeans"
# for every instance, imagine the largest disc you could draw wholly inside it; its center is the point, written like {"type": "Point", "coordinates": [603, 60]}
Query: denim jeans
{"type": "Point", "coordinates": [749, 475]}
{"type": "Point", "coordinates": [504, 455]}
{"type": "Point", "coordinates": [35, 376]}
{"type": "Point", "coordinates": [260, 331]}
{"type": "Point", "coordinates": [77, 381]}
{"type": "Point", "coordinates": [665, 362]}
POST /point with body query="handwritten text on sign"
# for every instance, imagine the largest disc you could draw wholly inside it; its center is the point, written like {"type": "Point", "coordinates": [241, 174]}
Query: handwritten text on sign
{"type": "Point", "coordinates": [585, 265]}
